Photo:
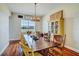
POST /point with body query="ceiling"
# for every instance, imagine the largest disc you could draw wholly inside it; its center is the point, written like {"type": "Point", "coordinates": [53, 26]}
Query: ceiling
{"type": "Point", "coordinates": [44, 8]}
{"type": "Point", "coordinates": [29, 8]}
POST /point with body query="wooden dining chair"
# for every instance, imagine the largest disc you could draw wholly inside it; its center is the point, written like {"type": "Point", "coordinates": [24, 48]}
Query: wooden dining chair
{"type": "Point", "coordinates": [25, 49]}
{"type": "Point", "coordinates": [29, 51]}
{"type": "Point", "coordinates": [58, 45]}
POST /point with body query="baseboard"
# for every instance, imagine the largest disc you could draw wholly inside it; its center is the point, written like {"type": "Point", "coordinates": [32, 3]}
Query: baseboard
{"type": "Point", "coordinates": [4, 48]}
{"type": "Point", "coordinates": [72, 49]}
{"type": "Point", "coordinates": [14, 39]}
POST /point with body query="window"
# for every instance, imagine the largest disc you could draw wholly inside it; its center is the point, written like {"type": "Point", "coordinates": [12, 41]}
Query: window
{"type": "Point", "coordinates": [27, 25]}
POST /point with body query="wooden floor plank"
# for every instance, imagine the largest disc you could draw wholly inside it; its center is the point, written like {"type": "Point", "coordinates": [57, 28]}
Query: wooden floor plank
{"type": "Point", "coordinates": [12, 51]}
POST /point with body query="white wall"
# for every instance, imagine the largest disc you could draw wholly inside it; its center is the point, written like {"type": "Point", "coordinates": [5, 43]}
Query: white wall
{"type": "Point", "coordinates": [4, 27]}
{"type": "Point", "coordinates": [70, 24]}
{"type": "Point", "coordinates": [76, 32]}
{"type": "Point", "coordinates": [14, 27]}
{"type": "Point", "coordinates": [45, 20]}
{"type": "Point", "coordinates": [38, 26]}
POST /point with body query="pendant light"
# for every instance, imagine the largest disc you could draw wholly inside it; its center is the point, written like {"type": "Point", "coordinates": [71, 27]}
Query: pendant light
{"type": "Point", "coordinates": [35, 17]}
{"type": "Point", "coordinates": [35, 11]}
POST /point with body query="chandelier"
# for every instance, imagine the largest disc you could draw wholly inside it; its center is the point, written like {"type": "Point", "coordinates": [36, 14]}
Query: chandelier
{"type": "Point", "coordinates": [35, 17]}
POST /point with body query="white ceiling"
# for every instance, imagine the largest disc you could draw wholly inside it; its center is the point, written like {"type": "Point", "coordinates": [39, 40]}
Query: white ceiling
{"type": "Point", "coordinates": [29, 8]}
{"type": "Point", "coordinates": [43, 8]}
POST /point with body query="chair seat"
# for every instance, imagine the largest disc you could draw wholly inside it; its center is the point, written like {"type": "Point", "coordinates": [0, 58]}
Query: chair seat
{"type": "Point", "coordinates": [58, 50]}
{"type": "Point", "coordinates": [55, 51]}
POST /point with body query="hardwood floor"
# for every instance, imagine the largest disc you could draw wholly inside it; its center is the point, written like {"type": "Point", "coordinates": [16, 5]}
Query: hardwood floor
{"type": "Point", "coordinates": [68, 52]}
{"type": "Point", "coordinates": [11, 50]}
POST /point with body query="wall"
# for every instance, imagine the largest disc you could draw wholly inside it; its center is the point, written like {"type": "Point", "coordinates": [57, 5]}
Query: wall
{"type": "Point", "coordinates": [76, 32]}
{"type": "Point", "coordinates": [70, 23]}
{"type": "Point", "coordinates": [38, 26]}
{"type": "Point", "coordinates": [4, 27]}
{"type": "Point", "coordinates": [14, 27]}
{"type": "Point", "coordinates": [45, 20]}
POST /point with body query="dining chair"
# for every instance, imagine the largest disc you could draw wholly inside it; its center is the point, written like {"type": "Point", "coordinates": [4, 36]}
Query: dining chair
{"type": "Point", "coordinates": [25, 49]}
{"type": "Point", "coordinates": [58, 45]}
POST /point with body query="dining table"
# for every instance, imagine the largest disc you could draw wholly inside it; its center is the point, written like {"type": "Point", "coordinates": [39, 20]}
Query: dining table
{"type": "Point", "coordinates": [39, 44]}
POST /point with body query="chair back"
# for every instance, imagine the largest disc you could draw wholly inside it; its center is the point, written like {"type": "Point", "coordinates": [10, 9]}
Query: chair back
{"type": "Point", "coordinates": [58, 45]}
{"type": "Point", "coordinates": [25, 49]}
{"type": "Point", "coordinates": [58, 40]}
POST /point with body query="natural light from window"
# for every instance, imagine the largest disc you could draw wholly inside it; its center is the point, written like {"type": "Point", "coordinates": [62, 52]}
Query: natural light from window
{"type": "Point", "coordinates": [27, 25]}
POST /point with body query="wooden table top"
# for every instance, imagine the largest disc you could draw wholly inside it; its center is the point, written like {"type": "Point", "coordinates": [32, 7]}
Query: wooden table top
{"type": "Point", "coordinates": [40, 44]}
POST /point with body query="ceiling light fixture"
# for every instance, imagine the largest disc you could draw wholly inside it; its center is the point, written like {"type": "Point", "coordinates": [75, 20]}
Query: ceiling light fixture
{"type": "Point", "coordinates": [35, 17]}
